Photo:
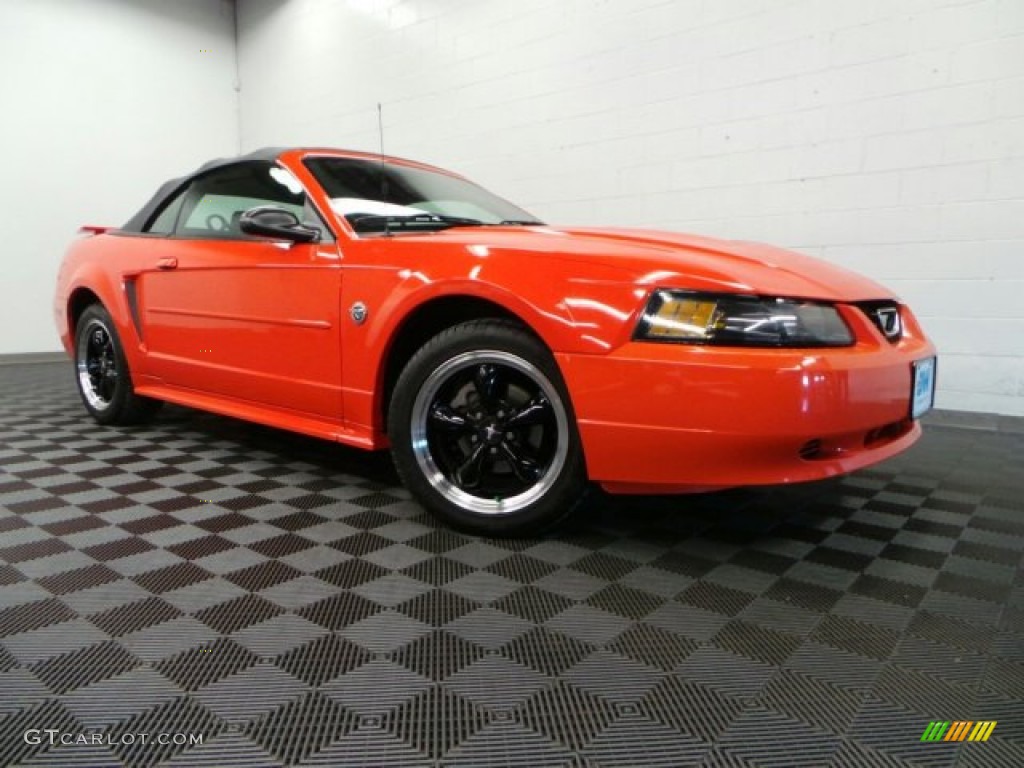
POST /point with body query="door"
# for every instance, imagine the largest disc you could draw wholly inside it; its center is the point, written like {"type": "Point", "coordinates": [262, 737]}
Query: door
{"type": "Point", "coordinates": [241, 317]}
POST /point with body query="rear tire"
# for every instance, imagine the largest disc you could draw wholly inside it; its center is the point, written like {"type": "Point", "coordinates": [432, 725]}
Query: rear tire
{"type": "Point", "coordinates": [102, 375]}
{"type": "Point", "coordinates": [483, 432]}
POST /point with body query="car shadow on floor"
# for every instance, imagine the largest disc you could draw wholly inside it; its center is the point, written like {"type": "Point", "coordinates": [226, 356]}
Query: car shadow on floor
{"type": "Point", "coordinates": [730, 518]}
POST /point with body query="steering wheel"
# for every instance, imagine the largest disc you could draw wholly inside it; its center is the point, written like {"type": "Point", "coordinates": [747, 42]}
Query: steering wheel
{"type": "Point", "coordinates": [217, 223]}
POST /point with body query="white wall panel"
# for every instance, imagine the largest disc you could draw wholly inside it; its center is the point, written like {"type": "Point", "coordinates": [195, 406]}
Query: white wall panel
{"type": "Point", "coordinates": [885, 135]}
{"type": "Point", "coordinates": [100, 102]}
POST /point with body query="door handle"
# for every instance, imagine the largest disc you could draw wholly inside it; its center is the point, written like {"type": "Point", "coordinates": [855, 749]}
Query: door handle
{"type": "Point", "coordinates": [167, 263]}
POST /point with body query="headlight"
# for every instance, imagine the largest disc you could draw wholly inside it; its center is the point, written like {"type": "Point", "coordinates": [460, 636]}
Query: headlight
{"type": "Point", "coordinates": [701, 318]}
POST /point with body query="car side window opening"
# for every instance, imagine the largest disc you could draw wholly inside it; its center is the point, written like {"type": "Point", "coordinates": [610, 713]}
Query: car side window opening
{"type": "Point", "coordinates": [164, 223]}
{"type": "Point", "coordinates": [213, 204]}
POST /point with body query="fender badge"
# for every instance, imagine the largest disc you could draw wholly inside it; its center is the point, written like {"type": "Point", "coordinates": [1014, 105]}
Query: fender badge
{"type": "Point", "coordinates": [358, 313]}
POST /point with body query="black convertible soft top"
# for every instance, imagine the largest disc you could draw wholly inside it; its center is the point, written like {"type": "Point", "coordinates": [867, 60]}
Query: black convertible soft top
{"type": "Point", "coordinates": [168, 188]}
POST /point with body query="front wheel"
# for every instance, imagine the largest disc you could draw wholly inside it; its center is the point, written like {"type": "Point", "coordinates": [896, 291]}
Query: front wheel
{"type": "Point", "coordinates": [483, 432]}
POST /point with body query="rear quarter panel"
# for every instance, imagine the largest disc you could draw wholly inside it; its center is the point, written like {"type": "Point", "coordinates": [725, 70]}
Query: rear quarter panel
{"type": "Point", "coordinates": [100, 264]}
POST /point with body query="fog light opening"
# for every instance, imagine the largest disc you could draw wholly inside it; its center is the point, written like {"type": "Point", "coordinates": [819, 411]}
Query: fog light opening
{"type": "Point", "coordinates": [811, 449]}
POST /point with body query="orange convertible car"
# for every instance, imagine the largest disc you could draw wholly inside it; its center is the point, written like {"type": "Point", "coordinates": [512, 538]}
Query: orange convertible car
{"type": "Point", "coordinates": [506, 363]}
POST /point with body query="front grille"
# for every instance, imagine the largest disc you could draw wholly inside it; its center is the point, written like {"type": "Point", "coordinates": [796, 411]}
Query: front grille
{"type": "Point", "coordinates": [885, 316]}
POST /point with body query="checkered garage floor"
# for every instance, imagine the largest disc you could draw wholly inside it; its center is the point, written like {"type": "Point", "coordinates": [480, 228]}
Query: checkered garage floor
{"type": "Point", "coordinates": [281, 599]}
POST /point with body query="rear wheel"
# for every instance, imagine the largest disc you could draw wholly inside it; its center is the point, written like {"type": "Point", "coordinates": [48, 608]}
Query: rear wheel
{"type": "Point", "coordinates": [101, 372]}
{"type": "Point", "coordinates": [483, 432]}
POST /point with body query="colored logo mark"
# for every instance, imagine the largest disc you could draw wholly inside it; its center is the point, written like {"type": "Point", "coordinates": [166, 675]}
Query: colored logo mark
{"type": "Point", "coordinates": [959, 730]}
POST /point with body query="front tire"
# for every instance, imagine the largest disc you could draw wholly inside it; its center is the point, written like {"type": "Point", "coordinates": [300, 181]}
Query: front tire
{"type": "Point", "coordinates": [483, 432]}
{"type": "Point", "coordinates": [102, 375]}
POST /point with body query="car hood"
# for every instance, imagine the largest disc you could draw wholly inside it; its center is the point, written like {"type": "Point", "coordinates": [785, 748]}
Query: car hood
{"type": "Point", "coordinates": [670, 259]}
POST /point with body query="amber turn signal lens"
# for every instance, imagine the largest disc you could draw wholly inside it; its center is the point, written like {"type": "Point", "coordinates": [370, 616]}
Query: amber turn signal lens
{"type": "Point", "coordinates": [680, 317]}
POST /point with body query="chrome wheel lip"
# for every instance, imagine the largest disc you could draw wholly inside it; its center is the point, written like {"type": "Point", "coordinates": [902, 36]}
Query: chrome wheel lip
{"type": "Point", "coordinates": [425, 459]}
{"type": "Point", "coordinates": [83, 357]}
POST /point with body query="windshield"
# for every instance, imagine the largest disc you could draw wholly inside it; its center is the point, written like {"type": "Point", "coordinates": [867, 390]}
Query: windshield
{"type": "Point", "coordinates": [376, 197]}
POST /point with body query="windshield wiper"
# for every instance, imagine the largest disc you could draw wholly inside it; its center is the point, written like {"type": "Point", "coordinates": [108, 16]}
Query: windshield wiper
{"type": "Point", "coordinates": [372, 222]}
{"type": "Point", "coordinates": [520, 223]}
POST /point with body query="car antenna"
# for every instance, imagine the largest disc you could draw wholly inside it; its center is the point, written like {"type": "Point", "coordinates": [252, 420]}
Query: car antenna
{"type": "Point", "coordinates": [383, 177]}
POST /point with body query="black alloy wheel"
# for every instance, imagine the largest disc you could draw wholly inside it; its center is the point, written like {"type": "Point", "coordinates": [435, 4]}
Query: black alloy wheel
{"type": "Point", "coordinates": [483, 432]}
{"type": "Point", "coordinates": [101, 372]}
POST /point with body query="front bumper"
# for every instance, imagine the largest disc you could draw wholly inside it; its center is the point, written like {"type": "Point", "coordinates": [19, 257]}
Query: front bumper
{"type": "Point", "coordinates": [669, 418]}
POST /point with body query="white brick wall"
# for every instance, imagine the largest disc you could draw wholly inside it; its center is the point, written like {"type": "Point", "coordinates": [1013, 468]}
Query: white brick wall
{"type": "Point", "coordinates": [886, 135]}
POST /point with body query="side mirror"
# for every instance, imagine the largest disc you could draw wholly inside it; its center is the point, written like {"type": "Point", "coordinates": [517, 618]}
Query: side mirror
{"type": "Point", "coordinates": [271, 221]}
